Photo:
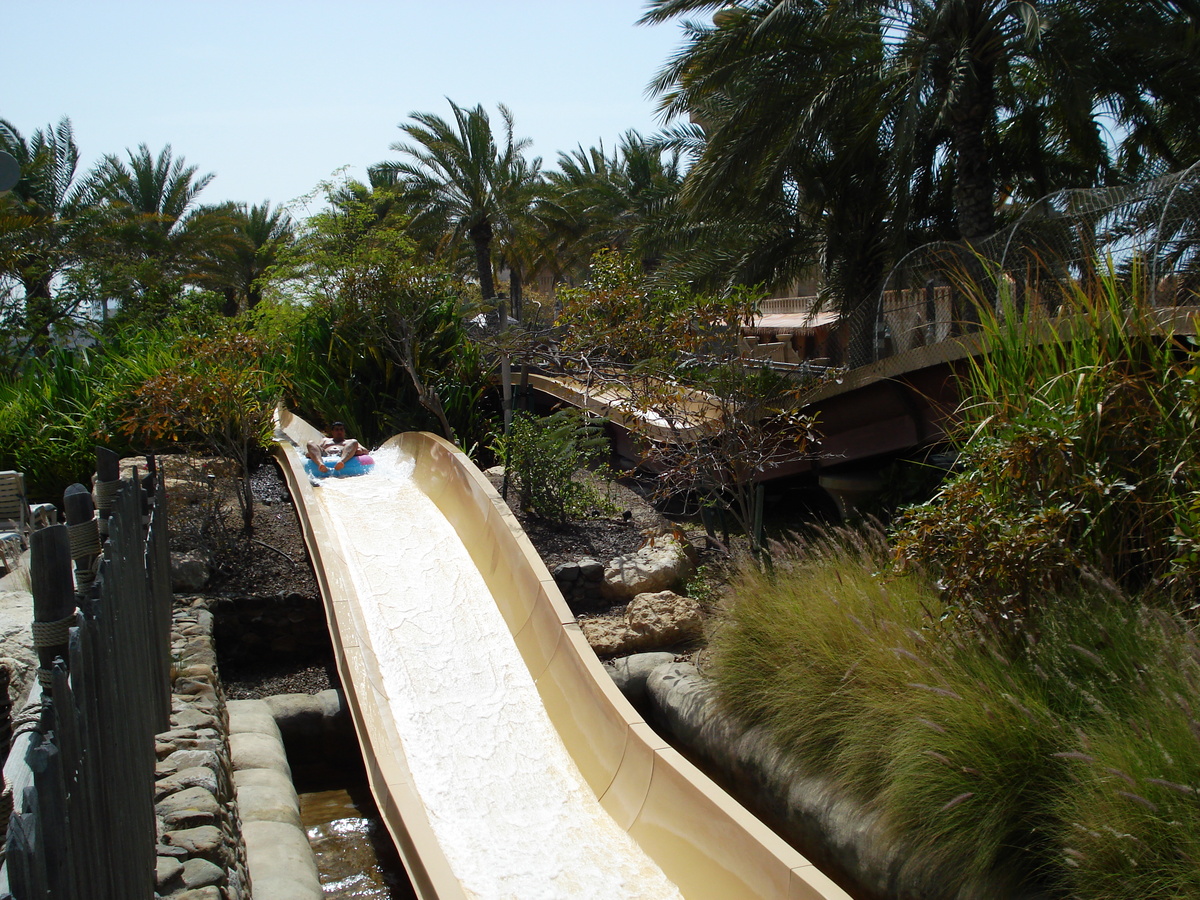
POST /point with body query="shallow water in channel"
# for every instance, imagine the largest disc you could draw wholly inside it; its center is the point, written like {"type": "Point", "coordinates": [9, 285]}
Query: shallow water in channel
{"type": "Point", "coordinates": [354, 852]}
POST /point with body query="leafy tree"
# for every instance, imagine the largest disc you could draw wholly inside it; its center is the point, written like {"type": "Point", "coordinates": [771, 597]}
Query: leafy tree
{"type": "Point", "coordinates": [520, 187]}
{"type": "Point", "coordinates": [668, 361]}
{"type": "Point", "coordinates": [379, 340]}
{"type": "Point", "coordinates": [220, 393]}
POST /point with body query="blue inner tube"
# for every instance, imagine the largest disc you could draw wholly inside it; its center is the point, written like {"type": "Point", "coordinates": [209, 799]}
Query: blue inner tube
{"type": "Point", "coordinates": [355, 465]}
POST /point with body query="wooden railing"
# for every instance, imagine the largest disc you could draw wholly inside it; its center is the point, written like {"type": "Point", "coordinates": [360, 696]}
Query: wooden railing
{"type": "Point", "coordinates": [82, 760]}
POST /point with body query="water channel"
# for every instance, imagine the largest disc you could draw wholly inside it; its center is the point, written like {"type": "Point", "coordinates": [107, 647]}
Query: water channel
{"type": "Point", "coordinates": [354, 852]}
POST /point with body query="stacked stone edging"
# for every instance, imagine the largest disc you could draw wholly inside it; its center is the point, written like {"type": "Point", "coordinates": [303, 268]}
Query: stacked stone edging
{"type": "Point", "coordinates": [277, 850]}
{"type": "Point", "coordinates": [285, 627]}
{"type": "Point", "coordinates": [581, 582]}
{"type": "Point", "coordinates": [200, 850]}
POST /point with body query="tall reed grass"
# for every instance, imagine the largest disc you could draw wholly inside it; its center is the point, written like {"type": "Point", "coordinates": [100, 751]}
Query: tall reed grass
{"type": "Point", "coordinates": [997, 771]}
{"type": "Point", "coordinates": [1078, 449]}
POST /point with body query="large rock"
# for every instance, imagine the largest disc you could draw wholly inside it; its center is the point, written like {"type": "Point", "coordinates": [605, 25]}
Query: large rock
{"type": "Point", "coordinates": [296, 715]}
{"type": "Point", "coordinates": [665, 618]}
{"type": "Point", "coordinates": [189, 572]}
{"type": "Point", "coordinates": [281, 862]}
{"type": "Point", "coordinates": [651, 621]}
{"type": "Point", "coordinates": [660, 565]}
{"type": "Point", "coordinates": [16, 642]}
{"type": "Point", "coordinates": [629, 673]}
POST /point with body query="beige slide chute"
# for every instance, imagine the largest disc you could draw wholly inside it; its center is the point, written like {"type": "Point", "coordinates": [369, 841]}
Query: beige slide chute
{"type": "Point", "coordinates": [504, 761]}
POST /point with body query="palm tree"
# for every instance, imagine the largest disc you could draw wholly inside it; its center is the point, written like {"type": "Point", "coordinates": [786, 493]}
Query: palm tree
{"type": "Point", "coordinates": [520, 188]}
{"type": "Point", "coordinates": [237, 268]}
{"type": "Point", "coordinates": [38, 224]}
{"type": "Point", "coordinates": [790, 129]}
{"type": "Point", "coordinates": [157, 236]}
{"type": "Point", "coordinates": [871, 126]}
{"type": "Point", "coordinates": [460, 184]}
{"type": "Point", "coordinates": [619, 202]}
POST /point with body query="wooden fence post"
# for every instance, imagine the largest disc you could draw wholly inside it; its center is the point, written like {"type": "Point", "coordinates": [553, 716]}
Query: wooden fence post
{"type": "Point", "coordinates": [104, 485]}
{"type": "Point", "coordinates": [86, 828]}
{"type": "Point", "coordinates": [53, 596]}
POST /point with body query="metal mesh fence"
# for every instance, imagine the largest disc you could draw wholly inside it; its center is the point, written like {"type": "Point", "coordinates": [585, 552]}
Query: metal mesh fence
{"type": "Point", "coordinates": [1147, 234]}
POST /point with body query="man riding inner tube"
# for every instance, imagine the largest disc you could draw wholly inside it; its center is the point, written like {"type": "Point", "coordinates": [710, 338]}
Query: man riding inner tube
{"type": "Point", "coordinates": [337, 454]}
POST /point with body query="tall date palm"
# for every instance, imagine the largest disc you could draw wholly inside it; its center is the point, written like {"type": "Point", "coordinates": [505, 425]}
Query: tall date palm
{"type": "Point", "coordinates": [458, 181]}
{"type": "Point", "coordinates": [39, 223]}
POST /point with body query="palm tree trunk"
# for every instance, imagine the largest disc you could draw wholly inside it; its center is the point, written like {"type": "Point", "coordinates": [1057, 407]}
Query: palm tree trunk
{"type": "Point", "coordinates": [515, 290]}
{"type": "Point", "coordinates": [481, 237]}
{"type": "Point", "coordinates": [974, 189]}
{"type": "Point", "coordinates": [40, 313]}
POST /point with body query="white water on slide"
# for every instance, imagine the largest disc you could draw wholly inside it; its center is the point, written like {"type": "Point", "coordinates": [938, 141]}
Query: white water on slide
{"type": "Point", "coordinates": [508, 806]}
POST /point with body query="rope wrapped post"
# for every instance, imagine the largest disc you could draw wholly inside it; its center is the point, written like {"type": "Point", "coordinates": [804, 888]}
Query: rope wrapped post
{"type": "Point", "coordinates": [84, 532]}
{"type": "Point", "coordinates": [104, 485]}
{"type": "Point", "coordinates": [53, 597]}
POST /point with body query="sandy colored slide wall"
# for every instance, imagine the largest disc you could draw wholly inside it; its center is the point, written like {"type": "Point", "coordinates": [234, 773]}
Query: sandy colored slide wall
{"type": "Point", "coordinates": [704, 842]}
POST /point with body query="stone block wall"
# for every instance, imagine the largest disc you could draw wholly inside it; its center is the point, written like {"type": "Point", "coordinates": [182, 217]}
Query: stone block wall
{"type": "Point", "coordinates": [581, 583]}
{"type": "Point", "coordinates": [201, 855]}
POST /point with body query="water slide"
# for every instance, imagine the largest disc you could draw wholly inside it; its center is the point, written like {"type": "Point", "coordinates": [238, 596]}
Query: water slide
{"type": "Point", "coordinates": [504, 761]}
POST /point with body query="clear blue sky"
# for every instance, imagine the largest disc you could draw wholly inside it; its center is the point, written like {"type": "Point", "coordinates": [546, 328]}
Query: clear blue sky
{"type": "Point", "coordinates": [273, 97]}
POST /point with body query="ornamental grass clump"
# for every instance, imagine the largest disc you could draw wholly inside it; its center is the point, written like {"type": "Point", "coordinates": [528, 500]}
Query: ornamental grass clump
{"type": "Point", "coordinates": [980, 753]}
{"type": "Point", "coordinates": [1128, 822]}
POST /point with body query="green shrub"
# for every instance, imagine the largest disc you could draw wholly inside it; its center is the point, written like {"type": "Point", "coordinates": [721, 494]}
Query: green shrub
{"type": "Point", "coordinates": [1079, 450]}
{"type": "Point", "coordinates": [543, 457]}
{"type": "Point", "coordinates": [50, 421]}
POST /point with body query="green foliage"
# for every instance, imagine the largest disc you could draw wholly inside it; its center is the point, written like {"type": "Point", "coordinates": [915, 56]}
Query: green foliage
{"type": "Point", "coordinates": [370, 336]}
{"type": "Point", "coordinates": [49, 418]}
{"type": "Point", "coordinates": [621, 316]}
{"type": "Point", "coordinates": [1069, 765]}
{"type": "Point", "coordinates": [64, 403]}
{"type": "Point", "coordinates": [1079, 449]}
{"type": "Point", "coordinates": [543, 457]}
{"type": "Point", "coordinates": [670, 357]}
